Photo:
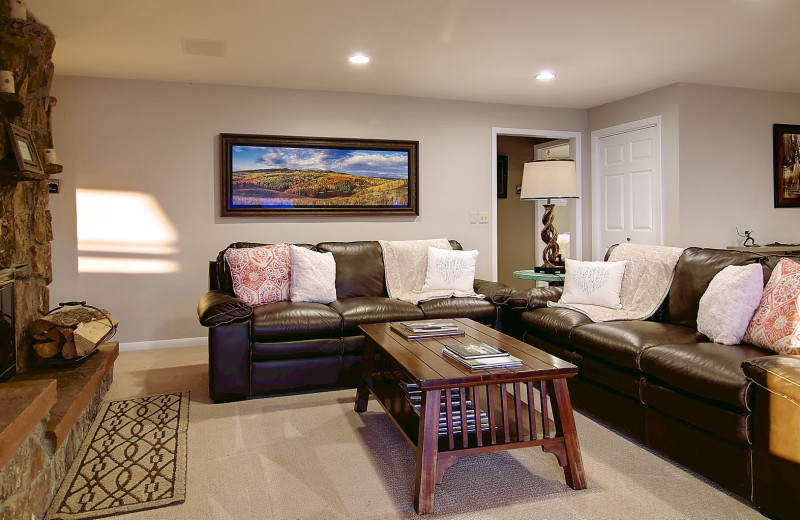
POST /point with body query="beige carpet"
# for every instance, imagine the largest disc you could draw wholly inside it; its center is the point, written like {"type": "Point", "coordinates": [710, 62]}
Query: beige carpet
{"type": "Point", "coordinates": [311, 456]}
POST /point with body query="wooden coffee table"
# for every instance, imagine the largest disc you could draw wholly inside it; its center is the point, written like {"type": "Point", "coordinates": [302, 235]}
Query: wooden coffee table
{"type": "Point", "coordinates": [403, 373]}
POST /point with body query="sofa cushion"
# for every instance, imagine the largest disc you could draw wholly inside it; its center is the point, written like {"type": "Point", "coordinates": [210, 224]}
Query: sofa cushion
{"type": "Point", "coordinates": [294, 319]}
{"type": "Point", "coordinates": [733, 425]}
{"type": "Point", "coordinates": [706, 370]}
{"type": "Point", "coordinates": [778, 374]}
{"type": "Point", "coordinates": [554, 323]}
{"type": "Point", "coordinates": [776, 322]}
{"type": "Point", "coordinates": [359, 268]}
{"type": "Point", "coordinates": [296, 349]}
{"type": "Point", "coordinates": [355, 311]}
{"type": "Point", "coordinates": [477, 309]}
{"type": "Point", "coordinates": [260, 274]}
{"type": "Point", "coordinates": [622, 342]}
{"type": "Point", "coordinates": [449, 269]}
{"type": "Point", "coordinates": [695, 270]}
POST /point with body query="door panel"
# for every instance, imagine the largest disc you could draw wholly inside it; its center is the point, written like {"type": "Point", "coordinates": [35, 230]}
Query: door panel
{"type": "Point", "coordinates": [629, 178]}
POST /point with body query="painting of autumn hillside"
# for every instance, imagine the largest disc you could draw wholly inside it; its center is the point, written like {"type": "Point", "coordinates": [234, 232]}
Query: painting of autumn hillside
{"type": "Point", "coordinates": [295, 175]}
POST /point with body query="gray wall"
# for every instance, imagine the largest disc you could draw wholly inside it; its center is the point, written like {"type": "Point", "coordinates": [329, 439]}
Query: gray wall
{"type": "Point", "coordinates": [159, 140]}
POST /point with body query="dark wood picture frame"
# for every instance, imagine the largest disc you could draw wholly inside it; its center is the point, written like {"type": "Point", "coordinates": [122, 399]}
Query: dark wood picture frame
{"type": "Point", "coordinates": [25, 151]}
{"type": "Point", "coordinates": [786, 165]}
{"type": "Point", "coordinates": [502, 176]}
{"type": "Point", "coordinates": [272, 175]}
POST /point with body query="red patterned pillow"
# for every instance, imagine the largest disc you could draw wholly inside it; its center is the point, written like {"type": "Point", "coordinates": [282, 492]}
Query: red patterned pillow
{"type": "Point", "coordinates": [260, 274]}
{"type": "Point", "coordinates": [776, 323]}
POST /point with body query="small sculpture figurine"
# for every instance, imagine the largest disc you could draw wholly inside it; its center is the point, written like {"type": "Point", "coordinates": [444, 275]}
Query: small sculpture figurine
{"type": "Point", "coordinates": [748, 240]}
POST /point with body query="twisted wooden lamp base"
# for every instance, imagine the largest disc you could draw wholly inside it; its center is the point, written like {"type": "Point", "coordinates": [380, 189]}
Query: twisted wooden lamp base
{"type": "Point", "coordinates": [549, 236]}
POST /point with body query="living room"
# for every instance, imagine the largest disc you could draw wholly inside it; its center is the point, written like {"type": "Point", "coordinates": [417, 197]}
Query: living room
{"type": "Point", "coordinates": [146, 140]}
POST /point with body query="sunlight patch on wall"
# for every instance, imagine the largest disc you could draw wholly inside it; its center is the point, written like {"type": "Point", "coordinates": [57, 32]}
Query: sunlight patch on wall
{"type": "Point", "coordinates": [130, 231]}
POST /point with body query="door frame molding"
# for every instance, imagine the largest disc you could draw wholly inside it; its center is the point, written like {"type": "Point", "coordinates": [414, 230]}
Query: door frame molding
{"type": "Point", "coordinates": [575, 151]}
{"type": "Point", "coordinates": [596, 135]}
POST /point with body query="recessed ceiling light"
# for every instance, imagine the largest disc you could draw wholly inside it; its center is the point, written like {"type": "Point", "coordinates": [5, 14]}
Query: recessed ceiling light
{"type": "Point", "coordinates": [546, 75]}
{"type": "Point", "coordinates": [359, 57]}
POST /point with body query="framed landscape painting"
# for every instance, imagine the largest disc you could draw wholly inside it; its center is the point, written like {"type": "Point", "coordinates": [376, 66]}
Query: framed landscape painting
{"type": "Point", "coordinates": [264, 175]}
{"type": "Point", "coordinates": [786, 164]}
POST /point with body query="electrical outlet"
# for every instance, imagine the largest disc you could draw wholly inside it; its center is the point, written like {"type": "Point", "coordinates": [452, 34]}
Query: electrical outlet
{"type": "Point", "coordinates": [473, 217]}
{"type": "Point", "coordinates": [483, 217]}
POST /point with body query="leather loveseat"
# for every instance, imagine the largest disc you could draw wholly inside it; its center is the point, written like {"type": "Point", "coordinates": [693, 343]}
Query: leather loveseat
{"type": "Point", "coordinates": [294, 346]}
{"type": "Point", "coordinates": [665, 384]}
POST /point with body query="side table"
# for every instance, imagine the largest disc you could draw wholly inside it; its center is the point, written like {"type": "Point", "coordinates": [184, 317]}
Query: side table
{"type": "Point", "coordinates": [530, 274]}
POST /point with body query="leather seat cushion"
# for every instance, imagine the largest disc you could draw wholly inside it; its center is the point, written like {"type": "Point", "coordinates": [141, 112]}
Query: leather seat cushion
{"type": "Point", "coordinates": [733, 425]}
{"type": "Point", "coordinates": [477, 309]}
{"type": "Point", "coordinates": [373, 309]}
{"type": "Point", "coordinates": [707, 370]}
{"type": "Point", "coordinates": [778, 374]}
{"type": "Point", "coordinates": [294, 319]}
{"type": "Point", "coordinates": [622, 342]}
{"type": "Point", "coordinates": [553, 323]}
{"type": "Point", "coordinates": [296, 349]}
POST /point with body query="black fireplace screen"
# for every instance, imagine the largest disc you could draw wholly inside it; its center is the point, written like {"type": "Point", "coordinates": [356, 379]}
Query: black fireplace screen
{"type": "Point", "coordinates": [8, 347]}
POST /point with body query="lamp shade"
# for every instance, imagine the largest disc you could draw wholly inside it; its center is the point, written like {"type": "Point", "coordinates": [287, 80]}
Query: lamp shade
{"type": "Point", "coordinates": [549, 179]}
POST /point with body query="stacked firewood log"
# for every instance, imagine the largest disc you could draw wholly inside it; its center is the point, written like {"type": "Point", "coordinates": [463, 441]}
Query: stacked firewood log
{"type": "Point", "coordinates": [71, 332]}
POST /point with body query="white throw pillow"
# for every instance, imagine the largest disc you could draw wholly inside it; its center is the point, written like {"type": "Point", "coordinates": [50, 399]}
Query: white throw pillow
{"type": "Point", "coordinates": [450, 269]}
{"type": "Point", "coordinates": [728, 304]}
{"type": "Point", "coordinates": [313, 276]}
{"type": "Point", "coordinates": [593, 283]}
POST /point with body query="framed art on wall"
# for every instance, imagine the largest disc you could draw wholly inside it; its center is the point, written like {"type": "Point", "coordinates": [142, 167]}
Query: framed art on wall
{"type": "Point", "coordinates": [263, 175]}
{"type": "Point", "coordinates": [786, 165]}
{"type": "Point", "coordinates": [502, 176]}
{"type": "Point", "coordinates": [24, 149]}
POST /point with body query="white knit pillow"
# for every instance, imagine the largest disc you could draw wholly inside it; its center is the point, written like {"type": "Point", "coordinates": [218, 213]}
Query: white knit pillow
{"type": "Point", "coordinates": [593, 283]}
{"type": "Point", "coordinates": [450, 269]}
{"type": "Point", "coordinates": [729, 302]}
{"type": "Point", "coordinates": [313, 276]}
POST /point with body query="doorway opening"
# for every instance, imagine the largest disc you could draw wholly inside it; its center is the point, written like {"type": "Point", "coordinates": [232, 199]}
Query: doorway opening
{"type": "Point", "coordinates": [516, 241]}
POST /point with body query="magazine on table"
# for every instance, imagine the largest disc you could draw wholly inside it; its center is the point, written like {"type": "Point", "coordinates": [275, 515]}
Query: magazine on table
{"type": "Point", "coordinates": [507, 361]}
{"type": "Point", "coordinates": [429, 325]}
{"type": "Point", "coordinates": [425, 334]}
{"type": "Point", "coordinates": [476, 350]}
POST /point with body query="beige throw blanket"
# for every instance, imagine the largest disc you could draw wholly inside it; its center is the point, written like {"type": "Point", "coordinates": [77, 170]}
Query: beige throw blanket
{"type": "Point", "coordinates": [406, 265]}
{"type": "Point", "coordinates": [648, 276]}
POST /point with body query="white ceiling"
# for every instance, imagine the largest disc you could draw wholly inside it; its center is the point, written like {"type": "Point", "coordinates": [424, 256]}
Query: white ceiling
{"type": "Point", "coordinates": [476, 50]}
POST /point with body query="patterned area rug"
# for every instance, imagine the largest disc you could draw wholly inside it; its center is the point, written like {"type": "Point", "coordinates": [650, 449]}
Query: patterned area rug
{"type": "Point", "coordinates": [133, 458]}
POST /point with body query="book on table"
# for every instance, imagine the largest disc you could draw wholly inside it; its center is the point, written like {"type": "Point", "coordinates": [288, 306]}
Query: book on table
{"type": "Point", "coordinates": [421, 326]}
{"type": "Point", "coordinates": [475, 350]}
{"type": "Point", "coordinates": [431, 333]}
{"type": "Point", "coordinates": [506, 361]}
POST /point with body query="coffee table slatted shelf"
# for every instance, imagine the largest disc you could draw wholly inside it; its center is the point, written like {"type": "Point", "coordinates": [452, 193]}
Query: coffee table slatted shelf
{"type": "Point", "coordinates": [500, 395]}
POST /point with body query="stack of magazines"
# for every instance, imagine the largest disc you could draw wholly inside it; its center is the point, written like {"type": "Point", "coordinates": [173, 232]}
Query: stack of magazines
{"type": "Point", "coordinates": [426, 329]}
{"type": "Point", "coordinates": [480, 356]}
{"type": "Point", "coordinates": [414, 396]}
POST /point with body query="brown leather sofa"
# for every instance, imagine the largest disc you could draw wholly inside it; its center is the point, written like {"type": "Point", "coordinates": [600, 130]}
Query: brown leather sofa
{"type": "Point", "coordinates": [665, 384]}
{"type": "Point", "coordinates": [293, 346]}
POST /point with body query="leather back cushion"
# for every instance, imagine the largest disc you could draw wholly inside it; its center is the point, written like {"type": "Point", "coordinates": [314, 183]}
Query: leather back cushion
{"type": "Point", "coordinates": [696, 267]}
{"type": "Point", "coordinates": [359, 268]}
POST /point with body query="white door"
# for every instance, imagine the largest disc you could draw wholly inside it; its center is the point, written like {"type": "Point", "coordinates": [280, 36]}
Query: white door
{"type": "Point", "coordinates": [627, 189]}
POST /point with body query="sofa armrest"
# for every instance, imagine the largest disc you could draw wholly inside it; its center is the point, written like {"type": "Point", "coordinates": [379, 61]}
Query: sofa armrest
{"type": "Point", "coordinates": [496, 292]}
{"type": "Point", "coordinates": [219, 308]}
{"type": "Point", "coordinates": [533, 298]}
{"type": "Point", "coordinates": [777, 374]}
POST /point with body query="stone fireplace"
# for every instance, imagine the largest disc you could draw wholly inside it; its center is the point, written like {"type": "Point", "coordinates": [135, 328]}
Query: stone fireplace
{"type": "Point", "coordinates": [45, 411]}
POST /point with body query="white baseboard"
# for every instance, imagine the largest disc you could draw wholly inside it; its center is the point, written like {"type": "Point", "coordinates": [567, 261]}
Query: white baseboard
{"type": "Point", "coordinates": [163, 343]}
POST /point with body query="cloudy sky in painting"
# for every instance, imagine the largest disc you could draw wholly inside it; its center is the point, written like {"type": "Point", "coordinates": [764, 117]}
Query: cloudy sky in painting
{"type": "Point", "coordinates": [367, 163]}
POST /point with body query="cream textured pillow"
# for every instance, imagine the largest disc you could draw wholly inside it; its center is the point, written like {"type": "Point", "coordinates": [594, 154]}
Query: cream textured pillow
{"type": "Point", "coordinates": [776, 323]}
{"type": "Point", "coordinates": [260, 274]}
{"type": "Point", "coordinates": [313, 276]}
{"type": "Point", "coordinates": [450, 269]}
{"type": "Point", "coordinates": [729, 303]}
{"type": "Point", "coordinates": [593, 283]}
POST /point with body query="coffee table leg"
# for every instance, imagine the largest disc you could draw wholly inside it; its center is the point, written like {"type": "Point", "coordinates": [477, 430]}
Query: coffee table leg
{"type": "Point", "coordinates": [368, 361]}
{"type": "Point", "coordinates": [573, 469]}
{"type": "Point", "coordinates": [427, 452]}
